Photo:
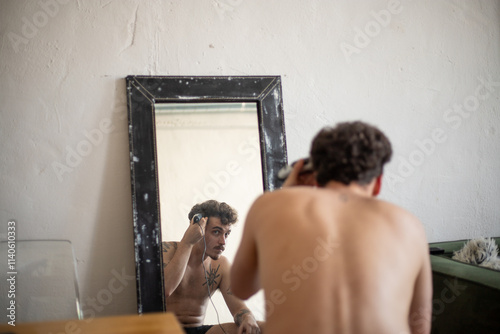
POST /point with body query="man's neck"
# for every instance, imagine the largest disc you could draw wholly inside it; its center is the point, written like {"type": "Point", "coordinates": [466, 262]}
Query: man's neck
{"type": "Point", "coordinates": [353, 188]}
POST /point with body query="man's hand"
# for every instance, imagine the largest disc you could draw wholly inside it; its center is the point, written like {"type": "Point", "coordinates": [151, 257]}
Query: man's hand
{"type": "Point", "coordinates": [246, 322]}
{"type": "Point", "coordinates": [195, 231]}
{"type": "Point", "coordinates": [296, 178]}
{"type": "Point", "coordinates": [293, 178]}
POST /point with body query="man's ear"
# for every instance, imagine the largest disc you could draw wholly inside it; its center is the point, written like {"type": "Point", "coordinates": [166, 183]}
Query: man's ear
{"type": "Point", "coordinates": [378, 185]}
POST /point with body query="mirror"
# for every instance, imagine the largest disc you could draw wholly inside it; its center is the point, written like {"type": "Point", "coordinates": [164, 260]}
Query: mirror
{"type": "Point", "coordinates": [164, 112]}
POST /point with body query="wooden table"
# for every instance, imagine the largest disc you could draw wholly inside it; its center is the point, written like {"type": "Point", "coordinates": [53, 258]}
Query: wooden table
{"type": "Point", "coordinates": [151, 323]}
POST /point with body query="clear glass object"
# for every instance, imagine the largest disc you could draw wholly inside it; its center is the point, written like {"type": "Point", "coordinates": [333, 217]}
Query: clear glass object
{"type": "Point", "coordinates": [40, 278]}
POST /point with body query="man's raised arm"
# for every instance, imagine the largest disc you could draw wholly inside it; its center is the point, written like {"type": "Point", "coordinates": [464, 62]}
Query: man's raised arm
{"type": "Point", "coordinates": [176, 258]}
{"type": "Point", "coordinates": [244, 271]}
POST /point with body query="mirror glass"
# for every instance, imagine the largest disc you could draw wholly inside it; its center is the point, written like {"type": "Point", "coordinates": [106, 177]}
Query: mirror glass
{"type": "Point", "coordinates": [208, 151]}
{"type": "Point", "coordinates": [193, 139]}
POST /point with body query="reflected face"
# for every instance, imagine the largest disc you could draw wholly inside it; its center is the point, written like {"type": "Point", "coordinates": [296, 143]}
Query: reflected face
{"type": "Point", "coordinates": [216, 235]}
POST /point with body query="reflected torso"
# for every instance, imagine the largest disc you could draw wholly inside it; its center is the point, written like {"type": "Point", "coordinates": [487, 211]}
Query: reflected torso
{"type": "Point", "coordinates": [190, 299]}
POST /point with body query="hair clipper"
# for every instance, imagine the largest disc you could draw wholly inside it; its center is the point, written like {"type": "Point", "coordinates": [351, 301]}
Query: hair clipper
{"type": "Point", "coordinates": [285, 171]}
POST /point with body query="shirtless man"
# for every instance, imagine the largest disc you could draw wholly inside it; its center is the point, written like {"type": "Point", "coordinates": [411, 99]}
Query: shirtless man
{"type": "Point", "coordinates": [195, 268]}
{"type": "Point", "coordinates": [332, 258]}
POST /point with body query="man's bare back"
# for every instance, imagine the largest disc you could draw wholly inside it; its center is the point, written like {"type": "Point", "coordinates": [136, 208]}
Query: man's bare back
{"type": "Point", "coordinates": [332, 261]}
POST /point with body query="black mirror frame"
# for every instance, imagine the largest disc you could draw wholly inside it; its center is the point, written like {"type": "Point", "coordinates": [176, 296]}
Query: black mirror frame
{"type": "Point", "coordinates": [142, 94]}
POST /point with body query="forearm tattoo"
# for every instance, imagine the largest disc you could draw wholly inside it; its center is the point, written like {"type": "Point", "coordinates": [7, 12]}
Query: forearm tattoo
{"type": "Point", "coordinates": [238, 318]}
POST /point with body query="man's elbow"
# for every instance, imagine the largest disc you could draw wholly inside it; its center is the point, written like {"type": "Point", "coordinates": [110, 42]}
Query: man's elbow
{"type": "Point", "coordinates": [243, 288]}
{"type": "Point", "coordinates": [238, 287]}
{"type": "Point", "coordinates": [240, 291]}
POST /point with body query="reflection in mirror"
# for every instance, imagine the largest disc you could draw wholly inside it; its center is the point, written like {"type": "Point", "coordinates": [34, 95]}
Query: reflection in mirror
{"type": "Point", "coordinates": [208, 151]}
{"type": "Point", "coordinates": [251, 165]}
{"type": "Point", "coordinates": [205, 151]}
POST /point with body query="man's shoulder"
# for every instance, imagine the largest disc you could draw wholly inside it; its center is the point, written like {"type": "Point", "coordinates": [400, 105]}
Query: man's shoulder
{"type": "Point", "coordinates": [397, 213]}
{"type": "Point", "coordinates": [385, 207]}
{"type": "Point", "coordinates": [401, 220]}
{"type": "Point", "coordinates": [273, 203]}
{"type": "Point", "coordinates": [286, 194]}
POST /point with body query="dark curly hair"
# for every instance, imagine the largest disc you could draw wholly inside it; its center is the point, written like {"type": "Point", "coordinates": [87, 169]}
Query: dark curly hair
{"type": "Point", "coordinates": [212, 208]}
{"type": "Point", "coordinates": [349, 152]}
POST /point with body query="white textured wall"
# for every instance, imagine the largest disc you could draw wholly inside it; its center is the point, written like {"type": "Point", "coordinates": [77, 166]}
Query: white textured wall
{"type": "Point", "coordinates": [421, 70]}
